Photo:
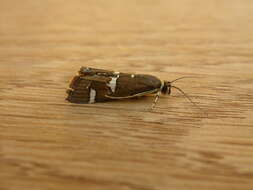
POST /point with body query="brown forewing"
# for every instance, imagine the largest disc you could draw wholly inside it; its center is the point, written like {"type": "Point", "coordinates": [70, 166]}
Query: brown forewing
{"type": "Point", "coordinates": [130, 86]}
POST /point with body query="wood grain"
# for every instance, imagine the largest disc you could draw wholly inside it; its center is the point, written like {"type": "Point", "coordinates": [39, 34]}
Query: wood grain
{"type": "Point", "coordinates": [48, 143]}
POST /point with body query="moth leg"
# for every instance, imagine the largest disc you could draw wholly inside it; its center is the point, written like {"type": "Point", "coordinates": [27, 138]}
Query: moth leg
{"type": "Point", "coordinates": [156, 99]}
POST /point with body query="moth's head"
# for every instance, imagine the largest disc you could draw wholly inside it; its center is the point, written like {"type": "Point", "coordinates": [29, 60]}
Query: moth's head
{"type": "Point", "coordinates": [167, 85]}
{"type": "Point", "coordinates": [166, 88]}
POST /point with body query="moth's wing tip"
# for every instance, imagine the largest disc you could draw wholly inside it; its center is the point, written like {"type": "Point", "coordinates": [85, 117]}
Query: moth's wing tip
{"type": "Point", "coordinates": [81, 70]}
{"type": "Point", "coordinates": [69, 90]}
{"type": "Point", "coordinates": [77, 92]}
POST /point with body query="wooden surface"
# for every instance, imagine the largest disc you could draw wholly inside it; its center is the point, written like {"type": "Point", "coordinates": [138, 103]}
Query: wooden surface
{"type": "Point", "coordinates": [48, 143]}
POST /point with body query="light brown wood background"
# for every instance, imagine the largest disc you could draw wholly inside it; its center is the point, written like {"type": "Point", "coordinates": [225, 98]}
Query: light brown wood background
{"type": "Point", "coordinates": [48, 143]}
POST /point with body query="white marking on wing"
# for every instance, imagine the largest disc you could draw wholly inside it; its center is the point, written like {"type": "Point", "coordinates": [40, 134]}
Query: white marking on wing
{"type": "Point", "coordinates": [113, 83]}
{"type": "Point", "coordinates": [92, 96]}
{"type": "Point", "coordinates": [132, 76]}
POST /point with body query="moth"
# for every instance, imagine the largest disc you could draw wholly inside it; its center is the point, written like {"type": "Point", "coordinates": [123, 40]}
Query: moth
{"type": "Point", "coordinates": [97, 85]}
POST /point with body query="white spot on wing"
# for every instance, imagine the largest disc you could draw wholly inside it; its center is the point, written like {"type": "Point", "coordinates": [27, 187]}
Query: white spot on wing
{"type": "Point", "coordinates": [132, 76]}
{"type": "Point", "coordinates": [92, 96]}
{"type": "Point", "coordinates": [113, 82]}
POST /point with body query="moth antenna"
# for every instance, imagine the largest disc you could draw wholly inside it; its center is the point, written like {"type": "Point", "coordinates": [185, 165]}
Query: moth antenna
{"type": "Point", "coordinates": [181, 78]}
{"type": "Point", "coordinates": [186, 96]}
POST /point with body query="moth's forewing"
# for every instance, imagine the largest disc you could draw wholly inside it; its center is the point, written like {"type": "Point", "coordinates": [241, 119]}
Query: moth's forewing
{"type": "Point", "coordinates": [101, 90]}
{"type": "Point", "coordinates": [80, 88]}
{"type": "Point", "coordinates": [130, 85]}
{"type": "Point", "coordinates": [97, 78]}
